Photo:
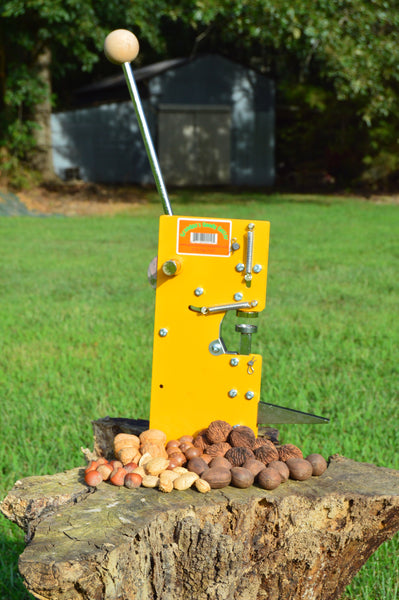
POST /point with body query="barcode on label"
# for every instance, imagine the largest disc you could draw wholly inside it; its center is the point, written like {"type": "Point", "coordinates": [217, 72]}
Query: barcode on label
{"type": "Point", "coordinates": [203, 238]}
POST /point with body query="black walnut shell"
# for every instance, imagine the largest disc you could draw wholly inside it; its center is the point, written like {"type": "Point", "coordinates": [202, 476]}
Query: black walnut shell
{"type": "Point", "coordinates": [242, 436]}
{"type": "Point", "coordinates": [266, 453]}
{"type": "Point", "coordinates": [218, 431]}
{"type": "Point", "coordinates": [238, 456]}
{"type": "Point", "coordinates": [218, 449]}
{"type": "Point", "coordinates": [287, 451]}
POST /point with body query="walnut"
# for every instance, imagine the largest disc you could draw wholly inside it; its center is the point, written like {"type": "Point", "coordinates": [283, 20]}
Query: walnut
{"type": "Point", "coordinates": [260, 441]}
{"type": "Point", "coordinates": [218, 449]}
{"type": "Point", "coordinates": [238, 455]}
{"type": "Point", "coordinates": [287, 451]}
{"type": "Point", "coordinates": [218, 431]}
{"type": "Point", "coordinates": [242, 436]}
{"type": "Point", "coordinates": [201, 441]}
{"type": "Point", "coordinates": [266, 453]}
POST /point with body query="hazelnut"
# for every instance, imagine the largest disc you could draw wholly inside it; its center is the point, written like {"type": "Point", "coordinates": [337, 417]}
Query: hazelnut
{"type": "Point", "coordinates": [287, 451]}
{"type": "Point", "coordinates": [93, 478]}
{"type": "Point", "coordinates": [192, 452]}
{"type": "Point", "coordinates": [115, 464]}
{"type": "Point", "coordinates": [172, 444]}
{"type": "Point", "coordinates": [105, 471]}
{"type": "Point", "coordinates": [269, 478]}
{"type": "Point", "coordinates": [281, 467]}
{"type": "Point", "coordinates": [218, 431]}
{"type": "Point", "coordinates": [117, 477]}
{"type": "Point", "coordinates": [237, 456]}
{"type": "Point", "coordinates": [102, 461]}
{"type": "Point", "coordinates": [253, 465]}
{"type": "Point", "coordinates": [220, 461]}
{"type": "Point", "coordinates": [266, 453]}
{"type": "Point", "coordinates": [186, 438]}
{"type": "Point", "coordinates": [300, 469]}
{"type": "Point", "coordinates": [217, 477]}
{"type": "Point", "coordinates": [133, 480]}
{"type": "Point", "coordinates": [241, 478]}
{"type": "Point", "coordinates": [92, 466]}
{"type": "Point", "coordinates": [130, 467]}
{"type": "Point", "coordinates": [197, 465]}
{"type": "Point", "coordinates": [185, 446]}
{"type": "Point", "coordinates": [242, 436]}
{"type": "Point", "coordinates": [178, 457]}
{"type": "Point", "coordinates": [318, 462]}
{"type": "Point", "coordinates": [218, 449]}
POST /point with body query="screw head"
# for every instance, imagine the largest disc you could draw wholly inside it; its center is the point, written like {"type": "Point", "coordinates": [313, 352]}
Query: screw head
{"type": "Point", "coordinates": [240, 267]}
{"type": "Point", "coordinates": [216, 348]}
{"type": "Point", "coordinates": [234, 362]}
{"type": "Point", "coordinates": [238, 296]}
{"type": "Point", "coordinates": [257, 268]}
{"type": "Point", "coordinates": [232, 393]}
{"type": "Point", "coordinates": [163, 332]}
{"type": "Point", "coordinates": [235, 246]}
{"type": "Point", "coordinates": [251, 226]}
{"type": "Point", "coordinates": [199, 291]}
{"type": "Point", "coordinates": [249, 395]}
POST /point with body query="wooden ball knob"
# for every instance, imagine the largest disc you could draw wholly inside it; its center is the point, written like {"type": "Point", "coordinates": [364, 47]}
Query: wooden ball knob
{"type": "Point", "coordinates": [121, 46]}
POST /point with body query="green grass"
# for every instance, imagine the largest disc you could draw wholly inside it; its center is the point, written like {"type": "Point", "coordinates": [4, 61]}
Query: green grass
{"type": "Point", "coordinates": [76, 317]}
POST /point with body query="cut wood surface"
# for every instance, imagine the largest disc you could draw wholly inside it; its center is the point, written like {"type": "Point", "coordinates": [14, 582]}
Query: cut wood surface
{"type": "Point", "coordinates": [302, 541]}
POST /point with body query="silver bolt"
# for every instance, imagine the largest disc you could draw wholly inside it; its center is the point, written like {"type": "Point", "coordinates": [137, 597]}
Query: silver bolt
{"type": "Point", "coordinates": [216, 348]}
{"type": "Point", "coordinates": [232, 393]}
{"type": "Point", "coordinates": [163, 332]}
{"type": "Point", "coordinates": [251, 226]}
{"type": "Point", "coordinates": [249, 395]}
{"type": "Point", "coordinates": [234, 362]}
{"type": "Point", "coordinates": [240, 267]}
{"type": "Point", "coordinates": [199, 291]}
{"type": "Point", "coordinates": [257, 268]}
{"type": "Point", "coordinates": [238, 296]}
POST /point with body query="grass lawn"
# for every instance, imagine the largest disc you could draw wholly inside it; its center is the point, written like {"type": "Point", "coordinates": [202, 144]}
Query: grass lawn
{"type": "Point", "coordinates": [76, 317]}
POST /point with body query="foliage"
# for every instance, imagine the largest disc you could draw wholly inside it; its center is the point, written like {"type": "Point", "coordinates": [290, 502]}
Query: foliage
{"type": "Point", "coordinates": [346, 48]}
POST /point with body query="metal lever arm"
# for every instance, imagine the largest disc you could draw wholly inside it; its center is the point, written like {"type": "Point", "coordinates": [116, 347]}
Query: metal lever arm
{"type": "Point", "coordinates": [208, 310]}
{"type": "Point", "coordinates": [121, 47]}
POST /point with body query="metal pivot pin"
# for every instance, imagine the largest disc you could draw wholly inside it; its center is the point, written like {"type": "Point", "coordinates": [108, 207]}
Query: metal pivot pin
{"type": "Point", "coordinates": [121, 47]}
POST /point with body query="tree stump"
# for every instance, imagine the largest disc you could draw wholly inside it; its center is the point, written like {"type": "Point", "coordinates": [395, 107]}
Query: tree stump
{"type": "Point", "coordinates": [304, 540]}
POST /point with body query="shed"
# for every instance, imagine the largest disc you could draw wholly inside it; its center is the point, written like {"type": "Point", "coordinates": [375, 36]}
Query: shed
{"type": "Point", "coordinates": [211, 120]}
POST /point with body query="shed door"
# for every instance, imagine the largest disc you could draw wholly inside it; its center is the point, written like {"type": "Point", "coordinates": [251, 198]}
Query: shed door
{"type": "Point", "coordinates": [194, 144]}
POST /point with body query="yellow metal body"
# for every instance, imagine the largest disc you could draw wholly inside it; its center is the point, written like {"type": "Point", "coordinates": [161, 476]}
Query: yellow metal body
{"type": "Point", "coordinates": [191, 385]}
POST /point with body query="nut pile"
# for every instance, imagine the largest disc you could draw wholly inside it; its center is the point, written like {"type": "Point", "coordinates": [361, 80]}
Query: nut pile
{"type": "Point", "coordinates": [216, 457]}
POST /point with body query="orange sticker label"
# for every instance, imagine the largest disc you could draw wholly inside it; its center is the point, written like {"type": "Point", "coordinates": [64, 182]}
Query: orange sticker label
{"type": "Point", "coordinates": [203, 237]}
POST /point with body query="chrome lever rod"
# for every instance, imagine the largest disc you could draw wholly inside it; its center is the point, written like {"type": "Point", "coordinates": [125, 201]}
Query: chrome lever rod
{"type": "Point", "coordinates": [121, 47]}
{"type": "Point", "coordinates": [145, 132]}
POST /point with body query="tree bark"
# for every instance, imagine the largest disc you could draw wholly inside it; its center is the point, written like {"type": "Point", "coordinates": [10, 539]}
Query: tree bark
{"type": "Point", "coordinates": [303, 541]}
{"type": "Point", "coordinates": [42, 157]}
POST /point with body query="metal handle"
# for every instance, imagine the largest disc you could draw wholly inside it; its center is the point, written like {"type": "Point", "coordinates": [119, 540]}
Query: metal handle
{"type": "Point", "coordinates": [121, 47]}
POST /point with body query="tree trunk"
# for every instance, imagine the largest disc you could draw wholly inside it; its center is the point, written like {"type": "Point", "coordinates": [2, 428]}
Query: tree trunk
{"type": "Point", "coordinates": [303, 541]}
{"type": "Point", "coordinates": [42, 157]}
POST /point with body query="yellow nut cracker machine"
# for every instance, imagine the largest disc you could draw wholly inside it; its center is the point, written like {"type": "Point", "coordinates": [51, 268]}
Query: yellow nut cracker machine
{"type": "Point", "coordinates": [205, 268]}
